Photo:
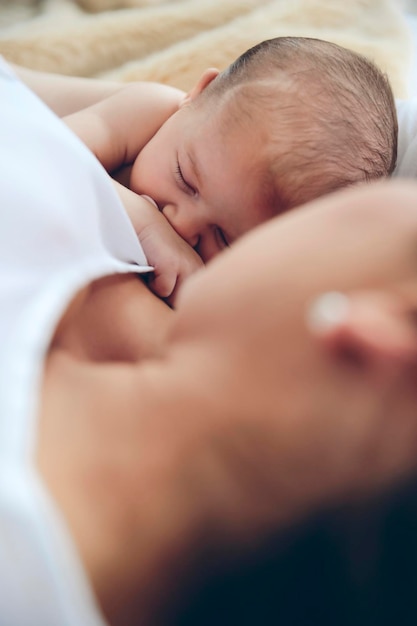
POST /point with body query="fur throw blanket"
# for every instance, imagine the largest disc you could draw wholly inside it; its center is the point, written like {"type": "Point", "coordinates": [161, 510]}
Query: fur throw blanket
{"type": "Point", "coordinates": [173, 41]}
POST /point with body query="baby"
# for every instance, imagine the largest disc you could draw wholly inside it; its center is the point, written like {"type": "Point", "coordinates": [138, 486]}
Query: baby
{"type": "Point", "coordinates": [291, 119]}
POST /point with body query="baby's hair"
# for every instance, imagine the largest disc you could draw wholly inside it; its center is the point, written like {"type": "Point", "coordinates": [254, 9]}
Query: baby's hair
{"type": "Point", "coordinates": [330, 112]}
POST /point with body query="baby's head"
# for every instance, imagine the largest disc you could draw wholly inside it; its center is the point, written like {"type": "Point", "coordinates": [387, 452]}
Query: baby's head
{"type": "Point", "coordinates": [290, 120]}
{"type": "Point", "coordinates": [327, 116]}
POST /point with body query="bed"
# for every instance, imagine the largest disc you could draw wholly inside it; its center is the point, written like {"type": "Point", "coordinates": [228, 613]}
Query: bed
{"type": "Point", "coordinates": [173, 41]}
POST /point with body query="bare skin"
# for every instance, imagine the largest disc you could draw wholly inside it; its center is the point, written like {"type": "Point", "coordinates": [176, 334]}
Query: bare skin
{"type": "Point", "coordinates": [188, 436]}
{"type": "Point", "coordinates": [88, 350]}
{"type": "Point", "coordinates": [126, 305]}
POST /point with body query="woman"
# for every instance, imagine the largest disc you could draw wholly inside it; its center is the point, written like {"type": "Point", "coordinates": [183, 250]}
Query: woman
{"type": "Point", "coordinates": [135, 438]}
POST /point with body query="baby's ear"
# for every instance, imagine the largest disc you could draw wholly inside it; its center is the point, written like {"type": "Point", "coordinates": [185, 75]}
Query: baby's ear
{"type": "Point", "coordinates": [374, 328]}
{"type": "Point", "coordinates": [205, 79]}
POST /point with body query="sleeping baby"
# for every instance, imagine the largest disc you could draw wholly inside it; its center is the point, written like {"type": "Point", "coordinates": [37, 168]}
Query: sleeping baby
{"type": "Point", "coordinates": [290, 120]}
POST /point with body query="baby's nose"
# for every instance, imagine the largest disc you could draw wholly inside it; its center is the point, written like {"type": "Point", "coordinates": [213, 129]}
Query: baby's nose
{"type": "Point", "coordinates": [185, 226]}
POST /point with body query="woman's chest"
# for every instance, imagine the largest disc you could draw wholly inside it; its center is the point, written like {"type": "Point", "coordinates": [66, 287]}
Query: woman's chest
{"type": "Point", "coordinates": [115, 319]}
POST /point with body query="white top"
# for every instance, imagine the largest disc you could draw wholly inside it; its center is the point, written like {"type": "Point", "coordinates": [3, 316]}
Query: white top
{"type": "Point", "coordinates": [61, 225]}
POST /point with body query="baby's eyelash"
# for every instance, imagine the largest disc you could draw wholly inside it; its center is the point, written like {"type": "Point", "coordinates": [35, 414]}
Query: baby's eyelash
{"type": "Point", "coordinates": [181, 180]}
{"type": "Point", "coordinates": [221, 238]}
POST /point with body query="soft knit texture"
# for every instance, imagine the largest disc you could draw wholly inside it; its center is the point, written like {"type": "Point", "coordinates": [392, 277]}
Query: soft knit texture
{"type": "Point", "coordinates": [174, 41]}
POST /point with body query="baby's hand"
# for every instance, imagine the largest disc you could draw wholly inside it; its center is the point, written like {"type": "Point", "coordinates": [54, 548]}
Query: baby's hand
{"type": "Point", "coordinates": [171, 256]}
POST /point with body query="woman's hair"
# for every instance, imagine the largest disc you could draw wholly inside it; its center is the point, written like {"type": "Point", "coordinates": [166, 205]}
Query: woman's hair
{"type": "Point", "coordinates": [328, 115]}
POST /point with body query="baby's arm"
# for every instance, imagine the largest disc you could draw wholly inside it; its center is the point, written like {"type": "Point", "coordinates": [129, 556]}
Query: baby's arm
{"type": "Point", "coordinates": [123, 116]}
{"type": "Point", "coordinates": [171, 256]}
{"type": "Point", "coordinates": [116, 128]}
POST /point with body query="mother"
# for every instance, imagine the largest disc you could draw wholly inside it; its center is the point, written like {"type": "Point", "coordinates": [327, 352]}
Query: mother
{"type": "Point", "coordinates": [133, 438]}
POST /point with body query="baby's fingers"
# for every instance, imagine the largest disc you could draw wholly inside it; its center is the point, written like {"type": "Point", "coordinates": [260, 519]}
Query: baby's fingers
{"type": "Point", "coordinates": [162, 284]}
{"type": "Point", "coordinates": [188, 267]}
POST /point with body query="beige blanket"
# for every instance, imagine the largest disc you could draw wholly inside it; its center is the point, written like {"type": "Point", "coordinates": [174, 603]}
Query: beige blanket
{"type": "Point", "coordinates": [174, 41]}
